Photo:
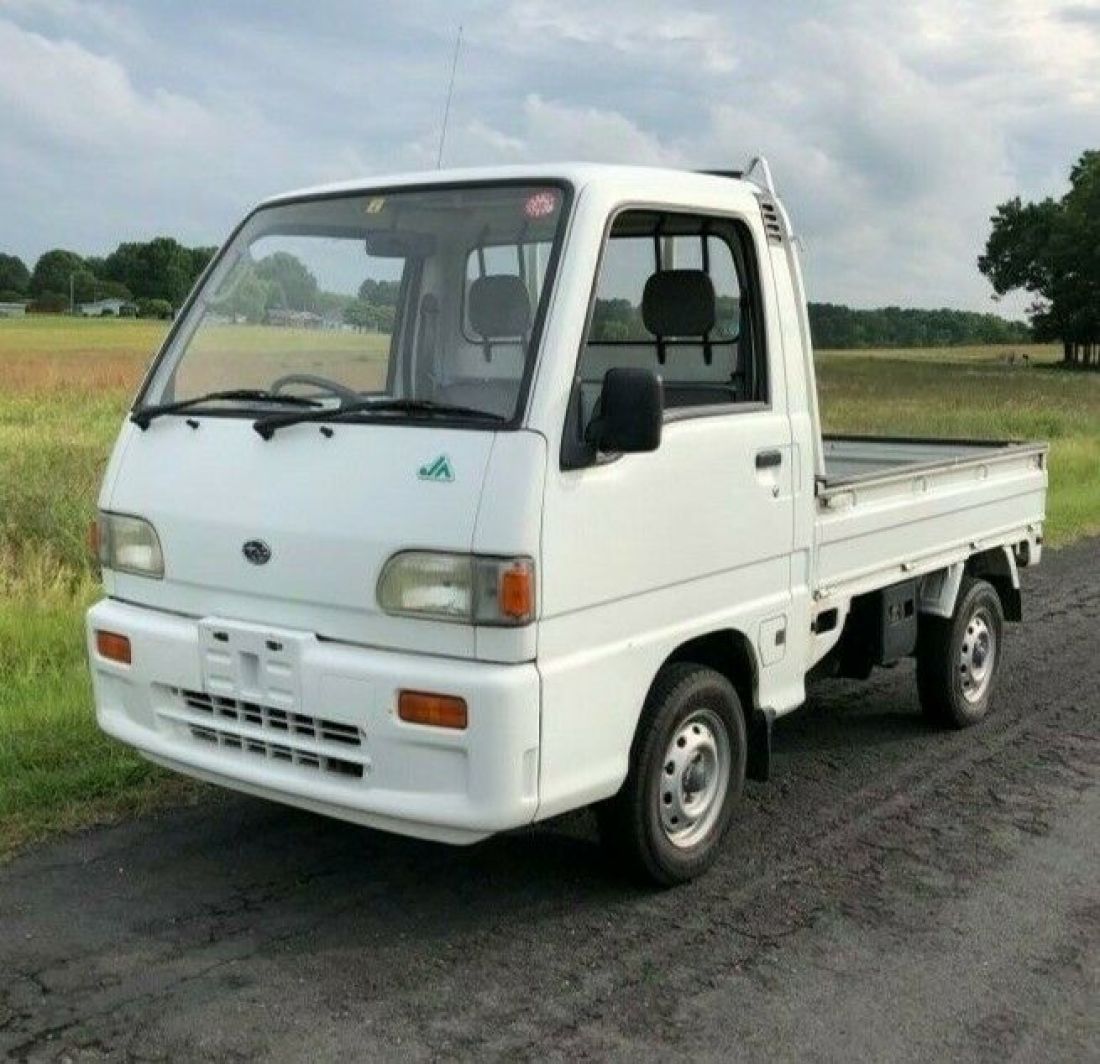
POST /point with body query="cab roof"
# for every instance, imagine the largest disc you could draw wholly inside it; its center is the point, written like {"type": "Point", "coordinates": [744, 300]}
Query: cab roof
{"type": "Point", "coordinates": [576, 174]}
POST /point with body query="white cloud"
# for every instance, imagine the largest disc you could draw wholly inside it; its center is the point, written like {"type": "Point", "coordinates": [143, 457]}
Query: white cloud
{"type": "Point", "coordinates": [893, 130]}
{"type": "Point", "coordinates": [638, 29]}
{"type": "Point", "coordinates": [551, 130]}
{"type": "Point", "coordinates": [65, 93]}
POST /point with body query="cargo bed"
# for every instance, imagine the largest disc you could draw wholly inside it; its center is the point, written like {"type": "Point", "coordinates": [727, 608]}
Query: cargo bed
{"type": "Point", "coordinates": [889, 508]}
{"type": "Point", "coordinates": [849, 459]}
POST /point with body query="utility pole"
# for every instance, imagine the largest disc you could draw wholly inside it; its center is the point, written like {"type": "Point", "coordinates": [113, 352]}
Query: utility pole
{"type": "Point", "coordinates": [72, 289]}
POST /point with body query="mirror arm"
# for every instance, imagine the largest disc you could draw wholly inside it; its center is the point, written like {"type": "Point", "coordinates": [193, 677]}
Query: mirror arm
{"type": "Point", "coordinates": [577, 450]}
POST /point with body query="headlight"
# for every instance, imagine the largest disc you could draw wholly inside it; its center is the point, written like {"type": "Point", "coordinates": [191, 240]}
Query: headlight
{"type": "Point", "coordinates": [467, 588]}
{"type": "Point", "coordinates": [129, 545]}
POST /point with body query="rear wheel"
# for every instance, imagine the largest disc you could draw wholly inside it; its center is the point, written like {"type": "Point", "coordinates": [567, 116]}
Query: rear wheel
{"type": "Point", "coordinates": [687, 770]}
{"type": "Point", "coordinates": [958, 657]}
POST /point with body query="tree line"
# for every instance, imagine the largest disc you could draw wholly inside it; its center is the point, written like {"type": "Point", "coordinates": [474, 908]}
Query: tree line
{"type": "Point", "coordinates": [154, 275]}
{"type": "Point", "coordinates": [1051, 249]}
{"type": "Point", "coordinates": [280, 283]}
{"type": "Point", "coordinates": [157, 275]}
{"type": "Point", "coordinates": [836, 326]}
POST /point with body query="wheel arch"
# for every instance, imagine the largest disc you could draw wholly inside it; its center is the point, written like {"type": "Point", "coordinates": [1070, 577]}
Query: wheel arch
{"type": "Point", "coordinates": [998, 568]}
{"type": "Point", "coordinates": [729, 652]}
{"type": "Point", "coordinates": [939, 590]}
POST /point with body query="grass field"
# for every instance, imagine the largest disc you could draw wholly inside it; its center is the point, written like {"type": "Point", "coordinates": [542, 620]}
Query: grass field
{"type": "Point", "coordinates": [65, 385]}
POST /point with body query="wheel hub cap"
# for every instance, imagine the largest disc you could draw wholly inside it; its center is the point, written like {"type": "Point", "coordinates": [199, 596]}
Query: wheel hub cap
{"type": "Point", "coordinates": [977, 656]}
{"type": "Point", "coordinates": [694, 779]}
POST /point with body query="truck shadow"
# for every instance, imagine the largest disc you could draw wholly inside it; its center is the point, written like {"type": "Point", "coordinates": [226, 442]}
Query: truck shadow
{"type": "Point", "coordinates": [850, 716]}
{"type": "Point", "coordinates": [234, 857]}
{"type": "Point", "coordinates": [242, 873]}
{"type": "Point", "coordinates": [271, 873]}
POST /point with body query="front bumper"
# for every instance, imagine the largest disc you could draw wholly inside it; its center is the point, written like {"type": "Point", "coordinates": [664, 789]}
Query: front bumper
{"type": "Point", "coordinates": [286, 716]}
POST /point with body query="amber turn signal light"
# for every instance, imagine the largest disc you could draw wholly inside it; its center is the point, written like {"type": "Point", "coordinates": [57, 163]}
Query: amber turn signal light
{"type": "Point", "coordinates": [113, 647]}
{"type": "Point", "coordinates": [516, 593]}
{"type": "Point", "coordinates": [439, 711]}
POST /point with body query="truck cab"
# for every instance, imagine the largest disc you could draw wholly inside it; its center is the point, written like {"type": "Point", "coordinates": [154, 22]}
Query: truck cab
{"type": "Point", "coordinates": [453, 502]}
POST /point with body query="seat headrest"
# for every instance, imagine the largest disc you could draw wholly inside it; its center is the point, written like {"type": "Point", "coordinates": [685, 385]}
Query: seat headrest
{"type": "Point", "coordinates": [499, 307]}
{"type": "Point", "coordinates": [679, 303]}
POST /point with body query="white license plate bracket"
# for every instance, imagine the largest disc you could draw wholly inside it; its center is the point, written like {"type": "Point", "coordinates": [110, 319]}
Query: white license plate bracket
{"type": "Point", "coordinates": [252, 663]}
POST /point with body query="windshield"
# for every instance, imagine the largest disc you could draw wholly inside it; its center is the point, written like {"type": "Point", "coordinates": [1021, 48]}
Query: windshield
{"type": "Point", "coordinates": [428, 296]}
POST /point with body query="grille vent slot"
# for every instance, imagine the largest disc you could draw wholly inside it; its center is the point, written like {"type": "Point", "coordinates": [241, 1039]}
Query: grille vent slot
{"type": "Point", "coordinates": [772, 225]}
{"type": "Point", "coordinates": [233, 725]}
{"type": "Point", "coordinates": [271, 719]}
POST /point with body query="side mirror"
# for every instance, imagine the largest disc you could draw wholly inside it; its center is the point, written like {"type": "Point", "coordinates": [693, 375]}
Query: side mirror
{"type": "Point", "coordinates": [631, 412]}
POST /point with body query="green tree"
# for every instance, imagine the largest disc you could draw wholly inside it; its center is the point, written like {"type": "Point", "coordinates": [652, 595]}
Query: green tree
{"type": "Point", "coordinates": [617, 320]}
{"type": "Point", "coordinates": [294, 287]}
{"type": "Point", "coordinates": [161, 268]}
{"type": "Point", "coordinates": [200, 259]}
{"type": "Point", "coordinates": [835, 326]}
{"type": "Point", "coordinates": [112, 290]}
{"type": "Point", "coordinates": [1051, 249]}
{"type": "Point", "coordinates": [14, 275]}
{"type": "Point", "coordinates": [154, 308]}
{"type": "Point", "coordinates": [84, 286]}
{"type": "Point", "coordinates": [380, 293]}
{"type": "Point", "coordinates": [359, 314]}
{"type": "Point", "coordinates": [52, 272]}
{"type": "Point", "coordinates": [50, 302]}
{"type": "Point", "coordinates": [248, 297]}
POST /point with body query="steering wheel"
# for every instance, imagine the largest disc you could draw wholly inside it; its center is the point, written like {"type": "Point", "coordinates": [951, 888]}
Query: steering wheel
{"type": "Point", "coordinates": [341, 391]}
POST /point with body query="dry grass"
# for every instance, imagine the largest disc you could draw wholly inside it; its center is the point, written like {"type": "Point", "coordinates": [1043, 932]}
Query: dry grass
{"type": "Point", "coordinates": [47, 355]}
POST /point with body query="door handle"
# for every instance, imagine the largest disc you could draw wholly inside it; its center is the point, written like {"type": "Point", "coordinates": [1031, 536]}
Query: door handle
{"type": "Point", "coordinates": [768, 459]}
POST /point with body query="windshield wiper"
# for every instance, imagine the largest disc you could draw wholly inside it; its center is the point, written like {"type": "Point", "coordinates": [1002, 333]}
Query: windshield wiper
{"type": "Point", "coordinates": [269, 425]}
{"type": "Point", "coordinates": [142, 417]}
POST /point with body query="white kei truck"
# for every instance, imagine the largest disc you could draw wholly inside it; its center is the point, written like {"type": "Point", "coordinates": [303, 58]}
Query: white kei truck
{"type": "Point", "coordinates": [456, 501]}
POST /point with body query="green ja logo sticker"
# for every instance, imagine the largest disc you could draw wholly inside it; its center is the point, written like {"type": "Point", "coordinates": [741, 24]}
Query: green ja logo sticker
{"type": "Point", "coordinates": [439, 470]}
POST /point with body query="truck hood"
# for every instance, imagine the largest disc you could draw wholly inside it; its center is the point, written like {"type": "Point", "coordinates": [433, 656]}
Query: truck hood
{"type": "Point", "coordinates": [330, 508]}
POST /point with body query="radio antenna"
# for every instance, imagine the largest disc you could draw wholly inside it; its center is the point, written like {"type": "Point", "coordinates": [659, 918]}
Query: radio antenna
{"type": "Point", "coordinates": [447, 105]}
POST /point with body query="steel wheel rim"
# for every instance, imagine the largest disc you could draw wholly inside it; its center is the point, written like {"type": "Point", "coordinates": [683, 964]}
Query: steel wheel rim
{"type": "Point", "coordinates": [977, 656]}
{"type": "Point", "coordinates": [694, 779]}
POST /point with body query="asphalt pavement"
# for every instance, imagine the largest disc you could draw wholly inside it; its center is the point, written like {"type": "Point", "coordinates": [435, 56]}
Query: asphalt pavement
{"type": "Point", "coordinates": [895, 893]}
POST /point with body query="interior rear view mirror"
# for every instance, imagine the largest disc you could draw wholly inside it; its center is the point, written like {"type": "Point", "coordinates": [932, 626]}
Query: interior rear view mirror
{"type": "Point", "coordinates": [390, 244]}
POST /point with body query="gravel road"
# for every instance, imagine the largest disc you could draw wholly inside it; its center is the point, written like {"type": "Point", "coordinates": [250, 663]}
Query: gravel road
{"type": "Point", "coordinates": [895, 894]}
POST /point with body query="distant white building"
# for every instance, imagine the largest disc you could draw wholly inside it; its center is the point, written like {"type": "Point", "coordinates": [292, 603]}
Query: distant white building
{"type": "Point", "coordinates": [294, 319]}
{"type": "Point", "coordinates": [13, 310]}
{"type": "Point", "coordinates": [102, 307]}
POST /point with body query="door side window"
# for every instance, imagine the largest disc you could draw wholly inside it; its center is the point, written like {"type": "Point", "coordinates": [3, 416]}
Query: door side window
{"type": "Point", "coordinates": [677, 295]}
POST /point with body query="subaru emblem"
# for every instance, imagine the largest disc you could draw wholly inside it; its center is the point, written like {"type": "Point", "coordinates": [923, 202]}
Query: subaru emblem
{"type": "Point", "coordinates": [257, 552]}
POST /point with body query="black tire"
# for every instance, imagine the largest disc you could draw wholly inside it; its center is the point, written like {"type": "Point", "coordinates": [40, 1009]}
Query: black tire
{"type": "Point", "coordinates": [954, 691]}
{"type": "Point", "coordinates": [695, 704]}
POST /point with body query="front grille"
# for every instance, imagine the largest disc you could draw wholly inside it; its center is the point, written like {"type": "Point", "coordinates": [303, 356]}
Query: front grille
{"type": "Point", "coordinates": [270, 718]}
{"type": "Point", "coordinates": [275, 734]}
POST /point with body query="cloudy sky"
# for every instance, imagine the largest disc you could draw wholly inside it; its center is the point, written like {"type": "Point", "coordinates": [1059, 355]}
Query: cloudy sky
{"type": "Point", "coordinates": [893, 128]}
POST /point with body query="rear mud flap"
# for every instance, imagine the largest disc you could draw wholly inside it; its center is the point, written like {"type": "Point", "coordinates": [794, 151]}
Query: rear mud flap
{"type": "Point", "coordinates": [758, 764]}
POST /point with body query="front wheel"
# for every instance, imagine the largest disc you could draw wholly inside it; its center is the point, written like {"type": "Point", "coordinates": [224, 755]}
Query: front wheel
{"type": "Point", "coordinates": [687, 770]}
{"type": "Point", "coordinates": [957, 657]}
